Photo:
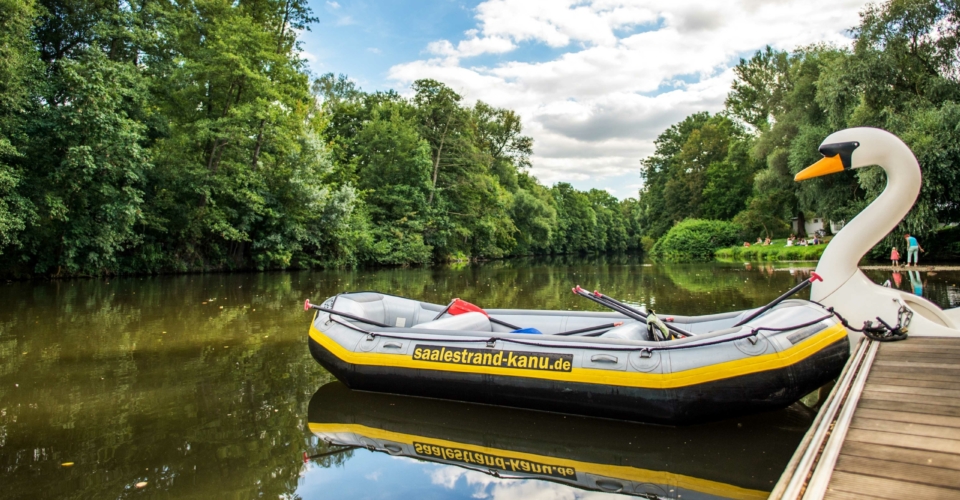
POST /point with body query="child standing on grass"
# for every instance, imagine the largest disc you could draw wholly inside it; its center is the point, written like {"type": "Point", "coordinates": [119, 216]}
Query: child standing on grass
{"type": "Point", "coordinates": [895, 257]}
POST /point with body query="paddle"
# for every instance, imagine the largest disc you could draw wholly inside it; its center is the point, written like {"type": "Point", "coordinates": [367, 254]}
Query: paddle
{"type": "Point", "coordinates": [458, 306]}
{"type": "Point", "coordinates": [307, 306]}
{"type": "Point", "coordinates": [620, 307]}
{"type": "Point", "coordinates": [801, 286]}
{"type": "Point", "coordinates": [592, 328]}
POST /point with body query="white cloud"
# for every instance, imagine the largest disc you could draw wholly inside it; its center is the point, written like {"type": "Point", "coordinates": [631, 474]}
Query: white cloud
{"type": "Point", "coordinates": [333, 5]}
{"type": "Point", "coordinates": [345, 21]}
{"type": "Point", "coordinates": [373, 50]}
{"type": "Point", "coordinates": [488, 487]}
{"type": "Point", "coordinates": [627, 68]}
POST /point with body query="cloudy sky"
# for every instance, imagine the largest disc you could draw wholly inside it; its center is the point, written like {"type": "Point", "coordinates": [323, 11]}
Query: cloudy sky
{"type": "Point", "coordinates": [595, 81]}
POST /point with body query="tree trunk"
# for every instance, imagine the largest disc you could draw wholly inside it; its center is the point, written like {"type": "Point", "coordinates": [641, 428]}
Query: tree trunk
{"type": "Point", "coordinates": [256, 151]}
{"type": "Point", "coordinates": [801, 224]}
{"type": "Point", "coordinates": [436, 162]}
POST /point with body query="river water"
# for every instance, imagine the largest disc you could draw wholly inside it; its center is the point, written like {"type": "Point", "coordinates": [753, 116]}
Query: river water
{"type": "Point", "coordinates": [201, 386]}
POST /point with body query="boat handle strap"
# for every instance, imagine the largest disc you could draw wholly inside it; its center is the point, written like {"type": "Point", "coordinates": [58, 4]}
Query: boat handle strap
{"type": "Point", "coordinates": [604, 358]}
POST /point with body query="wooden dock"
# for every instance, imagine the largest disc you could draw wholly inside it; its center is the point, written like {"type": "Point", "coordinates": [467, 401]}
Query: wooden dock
{"type": "Point", "coordinates": [889, 429]}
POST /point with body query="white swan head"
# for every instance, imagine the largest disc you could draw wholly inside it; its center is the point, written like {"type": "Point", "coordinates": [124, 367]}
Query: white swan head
{"type": "Point", "coordinates": [861, 147]}
{"type": "Point", "coordinates": [844, 286]}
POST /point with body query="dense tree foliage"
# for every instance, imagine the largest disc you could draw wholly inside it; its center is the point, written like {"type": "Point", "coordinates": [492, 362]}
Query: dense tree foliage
{"type": "Point", "coordinates": [439, 179]}
{"type": "Point", "coordinates": [901, 74]}
{"type": "Point", "coordinates": [701, 168]}
{"type": "Point", "coordinates": [156, 136]}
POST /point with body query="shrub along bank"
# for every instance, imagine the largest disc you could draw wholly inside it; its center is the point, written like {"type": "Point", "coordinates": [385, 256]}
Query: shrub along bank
{"type": "Point", "coordinates": [695, 240]}
{"type": "Point", "coordinates": [775, 251]}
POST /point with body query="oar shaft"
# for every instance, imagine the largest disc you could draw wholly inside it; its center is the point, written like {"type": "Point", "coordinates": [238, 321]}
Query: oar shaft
{"type": "Point", "coordinates": [308, 305]}
{"type": "Point", "coordinates": [630, 314]}
{"type": "Point", "coordinates": [590, 329]}
{"type": "Point", "coordinates": [625, 306]}
{"type": "Point", "coordinates": [502, 323]}
{"type": "Point", "coordinates": [785, 296]}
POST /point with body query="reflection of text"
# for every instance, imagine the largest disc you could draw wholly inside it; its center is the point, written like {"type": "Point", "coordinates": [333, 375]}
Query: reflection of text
{"type": "Point", "coordinates": [490, 357]}
{"type": "Point", "coordinates": [488, 460]}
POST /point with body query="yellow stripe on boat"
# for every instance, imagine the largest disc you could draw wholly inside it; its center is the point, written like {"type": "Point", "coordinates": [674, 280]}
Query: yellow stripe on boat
{"type": "Point", "coordinates": [695, 376]}
{"type": "Point", "coordinates": [614, 471]}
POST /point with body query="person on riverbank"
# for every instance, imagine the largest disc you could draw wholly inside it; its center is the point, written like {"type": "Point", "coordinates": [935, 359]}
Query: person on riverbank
{"type": "Point", "coordinates": [895, 257]}
{"type": "Point", "coordinates": [913, 249]}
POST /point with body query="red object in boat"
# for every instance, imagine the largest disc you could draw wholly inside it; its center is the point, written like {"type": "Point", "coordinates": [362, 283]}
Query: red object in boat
{"type": "Point", "coordinates": [462, 306]}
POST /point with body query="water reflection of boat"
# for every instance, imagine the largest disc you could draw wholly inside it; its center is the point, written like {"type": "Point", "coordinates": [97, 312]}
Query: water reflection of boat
{"type": "Point", "coordinates": [589, 363]}
{"type": "Point", "coordinates": [731, 459]}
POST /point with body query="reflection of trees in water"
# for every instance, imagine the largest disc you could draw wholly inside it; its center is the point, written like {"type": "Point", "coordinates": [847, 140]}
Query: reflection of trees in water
{"type": "Point", "coordinates": [546, 283]}
{"type": "Point", "coordinates": [103, 387]}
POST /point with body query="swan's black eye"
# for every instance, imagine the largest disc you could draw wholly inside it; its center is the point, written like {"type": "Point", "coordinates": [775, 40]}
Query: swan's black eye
{"type": "Point", "coordinates": [844, 149]}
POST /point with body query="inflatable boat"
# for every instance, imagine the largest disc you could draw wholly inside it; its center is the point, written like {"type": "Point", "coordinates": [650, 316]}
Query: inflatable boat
{"type": "Point", "coordinates": [623, 365]}
{"type": "Point", "coordinates": [739, 459]}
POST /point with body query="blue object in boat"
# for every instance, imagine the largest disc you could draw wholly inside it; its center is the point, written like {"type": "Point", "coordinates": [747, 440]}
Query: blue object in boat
{"type": "Point", "coordinates": [528, 330]}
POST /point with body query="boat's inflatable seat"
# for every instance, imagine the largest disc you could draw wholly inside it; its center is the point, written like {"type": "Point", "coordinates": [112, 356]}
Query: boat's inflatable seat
{"type": "Point", "coordinates": [630, 331]}
{"type": "Point", "coordinates": [466, 322]}
{"type": "Point", "coordinates": [386, 309]}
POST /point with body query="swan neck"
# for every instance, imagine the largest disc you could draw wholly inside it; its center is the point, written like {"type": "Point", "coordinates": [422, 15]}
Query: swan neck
{"type": "Point", "coordinates": [842, 256]}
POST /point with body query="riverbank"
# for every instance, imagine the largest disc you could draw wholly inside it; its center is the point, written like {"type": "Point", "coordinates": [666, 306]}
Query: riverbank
{"type": "Point", "coordinates": [776, 251]}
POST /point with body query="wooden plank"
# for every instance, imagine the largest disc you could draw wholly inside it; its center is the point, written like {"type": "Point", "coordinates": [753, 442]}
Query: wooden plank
{"type": "Point", "coordinates": [922, 342]}
{"type": "Point", "coordinates": [904, 440]}
{"type": "Point", "coordinates": [933, 384]}
{"type": "Point", "coordinates": [908, 398]}
{"type": "Point", "coordinates": [926, 391]}
{"type": "Point", "coordinates": [902, 455]}
{"type": "Point", "coordinates": [898, 366]}
{"type": "Point", "coordinates": [844, 495]}
{"type": "Point", "coordinates": [950, 411]}
{"type": "Point", "coordinates": [915, 374]}
{"type": "Point", "coordinates": [889, 488]}
{"type": "Point", "coordinates": [917, 364]}
{"type": "Point", "coordinates": [942, 360]}
{"type": "Point", "coordinates": [955, 347]}
{"type": "Point", "coordinates": [909, 428]}
{"type": "Point", "coordinates": [926, 341]}
{"type": "Point", "coordinates": [921, 349]}
{"type": "Point", "coordinates": [901, 416]}
{"type": "Point", "coordinates": [953, 374]}
{"type": "Point", "coordinates": [866, 466]}
{"type": "Point", "coordinates": [933, 357]}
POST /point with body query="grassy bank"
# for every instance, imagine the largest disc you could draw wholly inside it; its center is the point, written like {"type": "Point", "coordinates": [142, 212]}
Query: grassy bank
{"type": "Point", "coordinates": [775, 251]}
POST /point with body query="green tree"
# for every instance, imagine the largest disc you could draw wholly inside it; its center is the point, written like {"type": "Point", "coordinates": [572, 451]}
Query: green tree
{"type": "Point", "coordinates": [900, 76]}
{"type": "Point", "coordinates": [701, 168]}
{"type": "Point", "coordinates": [394, 169]}
{"type": "Point", "coordinates": [19, 68]}
{"type": "Point", "coordinates": [88, 164]}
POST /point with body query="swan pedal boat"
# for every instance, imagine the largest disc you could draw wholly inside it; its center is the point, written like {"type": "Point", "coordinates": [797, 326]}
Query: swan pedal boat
{"type": "Point", "coordinates": [719, 371]}
{"type": "Point", "coordinates": [844, 287]}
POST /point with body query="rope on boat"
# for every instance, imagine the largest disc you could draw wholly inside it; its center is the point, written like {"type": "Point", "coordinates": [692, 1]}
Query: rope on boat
{"type": "Point", "coordinates": [492, 340]}
{"type": "Point", "coordinates": [882, 332]}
